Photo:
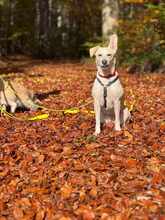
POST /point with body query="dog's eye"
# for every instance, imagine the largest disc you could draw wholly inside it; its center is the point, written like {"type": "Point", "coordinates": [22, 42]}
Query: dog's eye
{"type": "Point", "coordinates": [109, 55]}
{"type": "Point", "coordinates": [99, 55]}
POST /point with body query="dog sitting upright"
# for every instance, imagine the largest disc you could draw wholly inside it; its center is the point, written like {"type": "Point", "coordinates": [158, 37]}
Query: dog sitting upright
{"type": "Point", "coordinates": [107, 90]}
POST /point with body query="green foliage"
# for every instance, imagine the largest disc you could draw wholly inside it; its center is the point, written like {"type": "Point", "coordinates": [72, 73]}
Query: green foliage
{"type": "Point", "coordinates": [143, 45]}
{"type": "Point", "coordinates": [2, 2]}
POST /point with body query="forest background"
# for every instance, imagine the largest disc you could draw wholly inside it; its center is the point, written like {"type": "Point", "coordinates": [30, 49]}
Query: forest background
{"type": "Point", "coordinates": [67, 28]}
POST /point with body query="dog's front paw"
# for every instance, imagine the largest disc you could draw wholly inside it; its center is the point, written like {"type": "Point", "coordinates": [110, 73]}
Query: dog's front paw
{"type": "Point", "coordinates": [117, 128]}
{"type": "Point", "coordinates": [97, 132]}
{"type": "Point", "coordinates": [108, 121]}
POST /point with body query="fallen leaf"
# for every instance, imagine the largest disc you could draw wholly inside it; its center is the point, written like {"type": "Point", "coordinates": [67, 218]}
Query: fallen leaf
{"type": "Point", "coordinates": [128, 135]}
{"type": "Point", "coordinates": [66, 191]}
{"type": "Point", "coordinates": [88, 215]}
{"type": "Point", "coordinates": [131, 163]}
{"type": "Point", "coordinates": [18, 213]}
{"type": "Point", "coordinates": [93, 192]}
{"type": "Point", "coordinates": [162, 126]}
{"type": "Point", "coordinates": [40, 215]}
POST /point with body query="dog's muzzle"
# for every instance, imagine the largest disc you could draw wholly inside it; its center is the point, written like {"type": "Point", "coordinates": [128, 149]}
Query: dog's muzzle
{"type": "Point", "coordinates": [104, 64]}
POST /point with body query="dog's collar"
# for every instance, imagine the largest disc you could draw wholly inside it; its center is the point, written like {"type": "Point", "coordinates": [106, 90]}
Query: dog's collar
{"type": "Point", "coordinates": [108, 76]}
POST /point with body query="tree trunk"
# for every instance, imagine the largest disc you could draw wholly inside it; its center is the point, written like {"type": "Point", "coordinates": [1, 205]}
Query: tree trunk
{"type": "Point", "coordinates": [50, 13]}
{"type": "Point", "coordinates": [12, 9]}
{"type": "Point", "coordinates": [12, 4]}
{"type": "Point", "coordinates": [37, 20]}
{"type": "Point", "coordinates": [110, 12]}
{"type": "Point", "coordinates": [42, 25]}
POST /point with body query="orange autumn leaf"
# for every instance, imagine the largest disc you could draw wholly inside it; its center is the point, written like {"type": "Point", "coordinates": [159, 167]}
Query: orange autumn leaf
{"type": "Point", "coordinates": [18, 213]}
{"type": "Point", "coordinates": [128, 135]}
{"type": "Point", "coordinates": [131, 163]}
{"type": "Point", "coordinates": [66, 191]}
{"type": "Point", "coordinates": [162, 126]}
{"type": "Point", "coordinates": [40, 215]}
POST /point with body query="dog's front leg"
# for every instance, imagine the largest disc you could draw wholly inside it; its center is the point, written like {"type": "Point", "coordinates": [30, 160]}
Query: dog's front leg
{"type": "Point", "coordinates": [117, 114]}
{"type": "Point", "coordinates": [13, 106]}
{"type": "Point", "coordinates": [97, 109]}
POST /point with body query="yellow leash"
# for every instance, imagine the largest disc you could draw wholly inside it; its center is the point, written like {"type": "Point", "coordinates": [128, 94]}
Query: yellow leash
{"type": "Point", "coordinates": [35, 118]}
{"type": "Point", "coordinates": [74, 110]}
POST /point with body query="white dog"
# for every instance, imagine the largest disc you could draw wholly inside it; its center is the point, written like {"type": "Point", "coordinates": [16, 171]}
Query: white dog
{"type": "Point", "coordinates": [107, 90]}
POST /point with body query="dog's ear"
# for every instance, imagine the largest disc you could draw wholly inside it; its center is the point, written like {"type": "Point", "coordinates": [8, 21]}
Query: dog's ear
{"type": "Point", "coordinates": [113, 44]}
{"type": "Point", "coordinates": [93, 51]}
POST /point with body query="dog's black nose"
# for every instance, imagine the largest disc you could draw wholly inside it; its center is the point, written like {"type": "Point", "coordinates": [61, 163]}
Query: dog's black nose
{"type": "Point", "coordinates": [104, 62]}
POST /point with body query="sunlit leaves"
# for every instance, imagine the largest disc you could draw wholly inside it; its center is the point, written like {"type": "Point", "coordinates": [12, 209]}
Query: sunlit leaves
{"type": "Point", "coordinates": [56, 169]}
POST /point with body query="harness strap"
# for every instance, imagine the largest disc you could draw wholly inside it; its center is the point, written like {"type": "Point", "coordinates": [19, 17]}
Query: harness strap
{"type": "Point", "coordinates": [105, 88]}
{"type": "Point", "coordinates": [105, 96]}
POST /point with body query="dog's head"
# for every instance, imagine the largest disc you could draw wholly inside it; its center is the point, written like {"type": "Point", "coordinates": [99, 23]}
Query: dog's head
{"type": "Point", "coordinates": [105, 55]}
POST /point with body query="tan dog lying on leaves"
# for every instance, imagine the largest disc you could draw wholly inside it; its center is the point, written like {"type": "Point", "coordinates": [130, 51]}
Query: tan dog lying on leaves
{"type": "Point", "coordinates": [14, 95]}
{"type": "Point", "coordinates": [107, 90]}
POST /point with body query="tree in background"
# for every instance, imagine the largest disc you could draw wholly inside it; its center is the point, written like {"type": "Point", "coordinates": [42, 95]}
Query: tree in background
{"type": "Point", "coordinates": [42, 21]}
{"type": "Point", "coordinates": [110, 15]}
{"type": "Point", "coordinates": [65, 28]}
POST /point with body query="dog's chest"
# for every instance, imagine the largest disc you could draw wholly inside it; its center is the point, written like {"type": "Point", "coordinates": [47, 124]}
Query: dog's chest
{"type": "Point", "coordinates": [113, 91]}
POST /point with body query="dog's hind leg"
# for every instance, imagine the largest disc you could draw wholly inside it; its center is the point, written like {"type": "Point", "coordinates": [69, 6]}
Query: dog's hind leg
{"type": "Point", "coordinates": [97, 109]}
{"type": "Point", "coordinates": [126, 116]}
{"type": "Point", "coordinates": [117, 106]}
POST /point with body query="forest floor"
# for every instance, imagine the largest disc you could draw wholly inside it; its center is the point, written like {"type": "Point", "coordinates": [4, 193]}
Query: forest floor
{"type": "Point", "coordinates": [55, 169]}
